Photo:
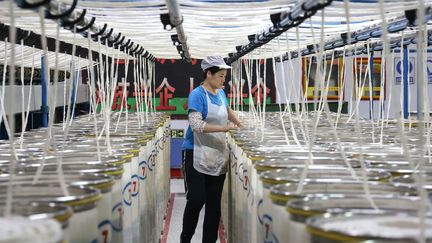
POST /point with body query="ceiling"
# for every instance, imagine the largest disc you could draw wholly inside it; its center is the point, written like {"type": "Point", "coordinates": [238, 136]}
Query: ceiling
{"type": "Point", "coordinates": [211, 26]}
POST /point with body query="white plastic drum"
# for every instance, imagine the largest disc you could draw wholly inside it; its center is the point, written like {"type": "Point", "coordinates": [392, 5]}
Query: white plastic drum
{"type": "Point", "coordinates": [350, 227]}
{"type": "Point", "coordinates": [143, 199]}
{"type": "Point", "coordinates": [301, 209]}
{"type": "Point", "coordinates": [150, 193]}
{"type": "Point", "coordinates": [159, 183]}
{"type": "Point", "coordinates": [43, 210]}
{"type": "Point", "coordinates": [135, 190]}
{"type": "Point", "coordinates": [167, 160]}
{"type": "Point", "coordinates": [79, 232]}
{"type": "Point", "coordinates": [104, 214]}
{"type": "Point", "coordinates": [127, 202]}
{"type": "Point", "coordinates": [266, 221]}
{"type": "Point", "coordinates": [86, 209]}
{"type": "Point", "coordinates": [23, 230]}
{"type": "Point", "coordinates": [117, 211]}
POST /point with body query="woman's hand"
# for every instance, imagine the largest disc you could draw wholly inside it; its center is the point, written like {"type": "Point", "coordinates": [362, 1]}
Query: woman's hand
{"type": "Point", "coordinates": [233, 118]}
{"type": "Point", "coordinates": [240, 125]}
{"type": "Point", "coordinates": [230, 127]}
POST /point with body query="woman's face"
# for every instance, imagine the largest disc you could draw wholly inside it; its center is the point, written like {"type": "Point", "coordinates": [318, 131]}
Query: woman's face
{"type": "Point", "coordinates": [217, 80]}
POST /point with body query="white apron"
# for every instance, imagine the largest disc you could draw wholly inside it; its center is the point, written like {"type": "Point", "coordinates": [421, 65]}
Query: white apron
{"type": "Point", "coordinates": [211, 149]}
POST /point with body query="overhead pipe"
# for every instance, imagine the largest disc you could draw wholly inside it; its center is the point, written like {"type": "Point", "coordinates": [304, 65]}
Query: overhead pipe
{"type": "Point", "coordinates": [176, 21]}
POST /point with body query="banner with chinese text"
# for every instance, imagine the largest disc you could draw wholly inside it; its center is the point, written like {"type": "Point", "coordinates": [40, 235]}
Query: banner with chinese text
{"type": "Point", "coordinates": [175, 79]}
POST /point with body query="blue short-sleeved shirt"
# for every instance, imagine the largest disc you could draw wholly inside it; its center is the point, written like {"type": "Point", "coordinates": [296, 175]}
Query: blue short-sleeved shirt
{"type": "Point", "coordinates": [197, 101]}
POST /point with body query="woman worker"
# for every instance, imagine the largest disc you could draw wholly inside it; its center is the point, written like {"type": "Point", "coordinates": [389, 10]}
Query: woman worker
{"type": "Point", "coordinates": [205, 150]}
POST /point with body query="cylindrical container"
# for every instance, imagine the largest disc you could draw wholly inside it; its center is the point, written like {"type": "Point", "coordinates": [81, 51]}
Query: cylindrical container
{"type": "Point", "coordinates": [151, 194]}
{"type": "Point", "coordinates": [24, 230]}
{"type": "Point", "coordinates": [110, 227]}
{"type": "Point", "coordinates": [409, 181]}
{"type": "Point", "coordinates": [135, 190]}
{"type": "Point", "coordinates": [301, 209]}
{"type": "Point", "coordinates": [159, 183]}
{"type": "Point", "coordinates": [322, 174]}
{"type": "Point", "coordinates": [293, 162]}
{"type": "Point", "coordinates": [368, 227]}
{"type": "Point", "coordinates": [116, 157]}
{"type": "Point", "coordinates": [100, 181]}
{"type": "Point", "coordinates": [50, 166]}
{"type": "Point", "coordinates": [42, 211]}
{"type": "Point", "coordinates": [319, 174]}
{"type": "Point", "coordinates": [285, 228]}
{"type": "Point", "coordinates": [399, 169]}
{"type": "Point", "coordinates": [282, 193]}
{"type": "Point", "coordinates": [144, 188]}
{"type": "Point", "coordinates": [83, 201]}
{"type": "Point", "coordinates": [127, 200]}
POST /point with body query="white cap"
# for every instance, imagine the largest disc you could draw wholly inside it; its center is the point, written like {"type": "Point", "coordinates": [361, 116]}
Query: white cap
{"type": "Point", "coordinates": [213, 61]}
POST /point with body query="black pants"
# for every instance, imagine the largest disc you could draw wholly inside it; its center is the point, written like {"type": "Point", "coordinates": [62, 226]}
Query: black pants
{"type": "Point", "coordinates": [201, 189]}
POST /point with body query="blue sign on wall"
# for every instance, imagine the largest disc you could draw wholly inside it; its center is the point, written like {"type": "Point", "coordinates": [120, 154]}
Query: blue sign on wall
{"type": "Point", "coordinates": [398, 70]}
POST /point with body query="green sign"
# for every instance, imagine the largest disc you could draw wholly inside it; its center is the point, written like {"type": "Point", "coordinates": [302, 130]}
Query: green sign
{"type": "Point", "coordinates": [177, 133]}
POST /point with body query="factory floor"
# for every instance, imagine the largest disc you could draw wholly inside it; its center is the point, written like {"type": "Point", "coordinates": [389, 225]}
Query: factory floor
{"type": "Point", "coordinates": [173, 224]}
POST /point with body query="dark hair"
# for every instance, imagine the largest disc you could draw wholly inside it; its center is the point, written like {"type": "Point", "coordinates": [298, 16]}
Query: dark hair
{"type": "Point", "coordinates": [212, 70]}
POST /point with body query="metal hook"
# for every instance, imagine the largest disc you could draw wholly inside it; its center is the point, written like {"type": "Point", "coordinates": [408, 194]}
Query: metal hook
{"type": "Point", "coordinates": [111, 43]}
{"type": "Point", "coordinates": [94, 36]}
{"type": "Point", "coordinates": [69, 24]}
{"type": "Point", "coordinates": [25, 4]}
{"type": "Point", "coordinates": [140, 51]}
{"type": "Point", "coordinates": [79, 30]}
{"type": "Point", "coordinates": [137, 51]}
{"type": "Point", "coordinates": [134, 50]}
{"type": "Point", "coordinates": [119, 42]}
{"type": "Point", "coordinates": [49, 15]}
{"type": "Point", "coordinates": [127, 43]}
{"type": "Point", "coordinates": [107, 35]}
{"type": "Point", "coordinates": [130, 46]}
{"type": "Point", "coordinates": [126, 46]}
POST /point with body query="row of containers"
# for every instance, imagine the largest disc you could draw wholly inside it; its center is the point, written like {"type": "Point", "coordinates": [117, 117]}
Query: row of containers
{"type": "Point", "coordinates": [120, 194]}
{"type": "Point", "coordinates": [369, 192]}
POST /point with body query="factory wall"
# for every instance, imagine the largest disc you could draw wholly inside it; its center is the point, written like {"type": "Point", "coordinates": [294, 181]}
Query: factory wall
{"type": "Point", "coordinates": [294, 73]}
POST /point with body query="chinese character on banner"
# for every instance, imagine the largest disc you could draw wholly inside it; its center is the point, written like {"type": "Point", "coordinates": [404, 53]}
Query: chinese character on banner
{"type": "Point", "coordinates": [233, 95]}
{"type": "Point", "coordinates": [260, 93]}
{"type": "Point", "coordinates": [142, 95]}
{"type": "Point", "coordinates": [163, 60]}
{"type": "Point", "coordinates": [120, 100]}
{"type": "Point", "coordinates": [191, 87]}
{"type": "Point", "coordinates": [165, 91]}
